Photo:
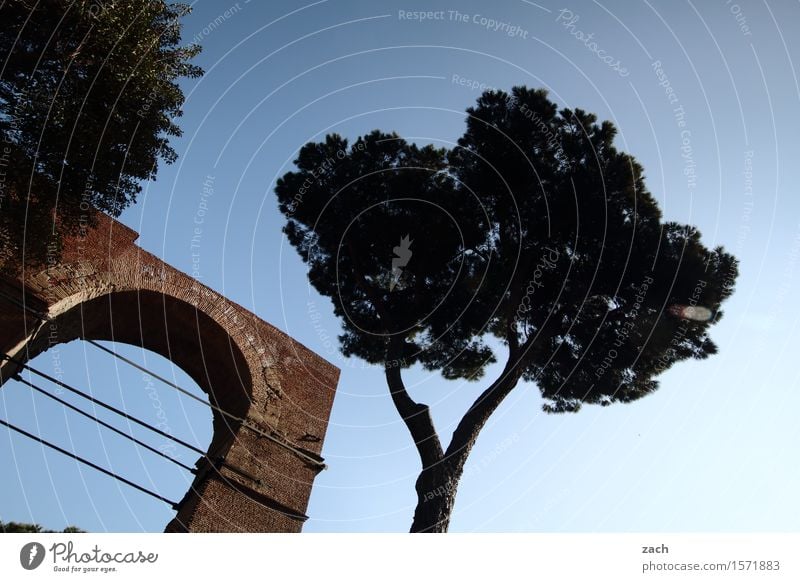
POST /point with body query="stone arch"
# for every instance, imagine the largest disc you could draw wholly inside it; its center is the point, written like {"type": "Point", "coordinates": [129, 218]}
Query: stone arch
{"type": "Point", "coordinates": [258, 472]}
{"type": "Point", "coordinates": [170, 327]}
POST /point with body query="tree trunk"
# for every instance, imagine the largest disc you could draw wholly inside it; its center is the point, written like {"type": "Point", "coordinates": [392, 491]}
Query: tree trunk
{"type": "Point", "coordinates": [418, 420]}
{"type": "Point", "coordinates": [436, 494]}
{"type": "Point", "coordinates": [437, 484]}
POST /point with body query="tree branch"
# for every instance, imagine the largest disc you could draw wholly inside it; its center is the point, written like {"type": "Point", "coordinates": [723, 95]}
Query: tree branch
{"type": "Point", "coordinates": [470, 425]}
{"type": "Point", "coordinates": [416, 416]}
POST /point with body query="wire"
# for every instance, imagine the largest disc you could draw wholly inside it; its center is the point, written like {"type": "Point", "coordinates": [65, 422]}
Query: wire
{"type": "Point", "coordinates": [280, 442]}
{"type": "Point", "coordinates": [244, 422]}
{"type": "Point", "coordinates": [41, 316]}
{"type": "Point", "coordinates": [164, 380]}
{"type": "Point", "coordinates": [103, 404]}
{"type": "Point", "coordinates": [102, 423]}
{"type": "Point", "coordinates": [89, 463]}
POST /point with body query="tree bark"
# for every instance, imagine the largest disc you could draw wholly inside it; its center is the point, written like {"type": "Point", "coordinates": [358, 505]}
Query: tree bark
{"type": "Point", "coordinates": [437, 485]}
{"type": "Point", "coordinates": [418, 420]}
{"type": "Point", "coordinates": [416, 416]}
{"type": "Point", "coordinates": [436, 494]}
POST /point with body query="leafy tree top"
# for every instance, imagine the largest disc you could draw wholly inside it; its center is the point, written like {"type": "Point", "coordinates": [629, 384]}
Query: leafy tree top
{"type": "Point", "coordinates": [88, 97]}
{"type": "Point", "coordinates": [15, 527]}
{"type": "Point", "coordinates": [534, 230]}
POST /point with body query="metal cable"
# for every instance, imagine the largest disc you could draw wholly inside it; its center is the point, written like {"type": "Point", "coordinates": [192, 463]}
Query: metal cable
{"type": "Point", "coordinates": [89, 463]}
{"type": "Point", "coordinates": [293, 449]}
{"type": "Point", "coordinates": [41, 316]}
{"type": "Point", "coordinates": [162, 379]}
{"type": "Point", "coordinates": [233, 417]}
{"type": "Point", "coordinates": [102, 423]}
{"type": "Point", "coordinates": [103, 404]}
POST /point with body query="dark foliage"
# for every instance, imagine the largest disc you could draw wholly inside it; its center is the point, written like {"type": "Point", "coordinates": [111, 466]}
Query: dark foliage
{"type": "Point", "coordinates": [535, 233]}
{"type": "Point", "coordinates": [88, 98]}
{"type": "Point", "coordinates": [14, 527]}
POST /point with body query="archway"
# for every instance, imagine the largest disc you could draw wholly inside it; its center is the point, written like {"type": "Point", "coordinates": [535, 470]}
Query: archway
{"type": "Point", "coordinates": [271, 395]}
{"type": "Point", "coordinates": [43, 486]}
{"type": "Point", "coordinates": [180, 332]}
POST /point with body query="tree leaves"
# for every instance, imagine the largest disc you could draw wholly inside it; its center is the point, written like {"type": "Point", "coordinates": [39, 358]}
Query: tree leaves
{"type": "Point", "coordinates": [88, 99]}
{"type": "Point", "coordinates": [535, 230]}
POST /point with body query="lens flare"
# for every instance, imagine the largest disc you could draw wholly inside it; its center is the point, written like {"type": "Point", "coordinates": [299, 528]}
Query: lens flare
{"type": "Point", "coordinates": [692, 312]}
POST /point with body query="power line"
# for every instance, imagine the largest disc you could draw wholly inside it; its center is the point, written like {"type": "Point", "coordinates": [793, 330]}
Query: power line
{"type": "Point", "coordinates": [280, 442]}
{"type": "Point", "coordinates": [103, 404]}
{"type": "Point", "coordinates": [297, 451]}
{"type": "Point", "coordinates": [162, 379]}
{"type": "Point", "coordinates": [89, 463]}
{"type": "Point", "coordinates": [43, 318]}
{"type": "Point", "coordinates": [221, 461]}
{"type": "Point", "coordinates": [38, 314]}
{"type": "Point", "coordinates": [103, 423]}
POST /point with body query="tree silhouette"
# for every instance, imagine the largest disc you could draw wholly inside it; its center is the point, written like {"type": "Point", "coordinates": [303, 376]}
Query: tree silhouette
{"type": "Point", "coordinates": [15, 527]}
{"type": "Point", "coordinates": [88, 94]}
{"type": "Point", "coordinates": [534, 242]}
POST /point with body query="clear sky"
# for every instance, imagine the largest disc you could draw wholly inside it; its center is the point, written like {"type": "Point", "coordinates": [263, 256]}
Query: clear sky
{"type": "Point", "coordinates": [715, 449]}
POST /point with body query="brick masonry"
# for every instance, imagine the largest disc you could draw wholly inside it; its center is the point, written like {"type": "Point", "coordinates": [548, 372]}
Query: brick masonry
{"type": "Point", "coordinates": [258, 473]}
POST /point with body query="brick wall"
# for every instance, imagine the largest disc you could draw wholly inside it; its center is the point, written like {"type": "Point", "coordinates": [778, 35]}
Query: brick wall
{"type": "Point", "coordinates": [258, 473]}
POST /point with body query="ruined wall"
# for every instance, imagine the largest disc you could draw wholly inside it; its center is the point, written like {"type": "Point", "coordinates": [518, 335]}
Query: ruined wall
{"type": "Point", "coordinates": [258, 473]}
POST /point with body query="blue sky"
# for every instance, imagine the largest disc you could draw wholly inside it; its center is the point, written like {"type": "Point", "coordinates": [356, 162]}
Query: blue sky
{"type": "Point", "coordinates": [713, 450]}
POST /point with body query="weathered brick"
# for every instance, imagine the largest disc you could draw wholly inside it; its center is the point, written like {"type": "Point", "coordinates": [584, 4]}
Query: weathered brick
{"type": "Point", "coordinates": [107, 288]}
